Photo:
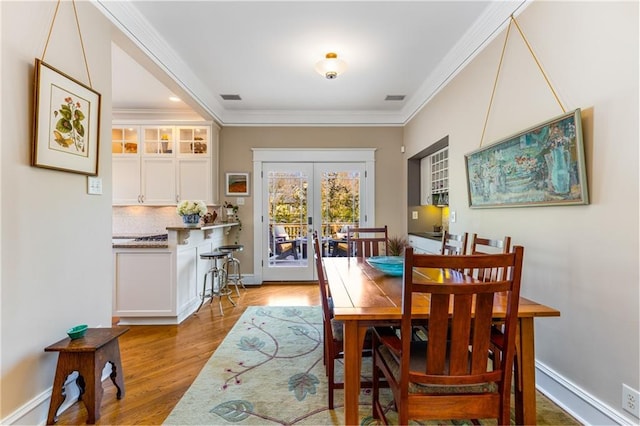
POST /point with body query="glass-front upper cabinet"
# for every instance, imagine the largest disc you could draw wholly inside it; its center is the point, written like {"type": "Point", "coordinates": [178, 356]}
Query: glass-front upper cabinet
{"type": "Point", "coordinates": [158, 140]}
{"type": "Point", "coordinates": [193, 140]}
{"type": "Point", "coordinates": [124, 140]}
{"type": "Point", "coordinates": [440, 172]}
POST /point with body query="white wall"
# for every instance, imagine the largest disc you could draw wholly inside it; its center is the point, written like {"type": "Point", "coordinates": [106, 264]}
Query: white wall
{"type": "Point", "coordinates": [582, 260]}
{"type": "Point", "coordinates": [55, 239]}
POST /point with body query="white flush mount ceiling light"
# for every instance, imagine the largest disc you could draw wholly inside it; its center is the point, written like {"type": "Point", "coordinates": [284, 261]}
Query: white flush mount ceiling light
{"type": "Point", "coordinates": [331, 66]}
{"type": "Point", "coordinates": [174, 99]}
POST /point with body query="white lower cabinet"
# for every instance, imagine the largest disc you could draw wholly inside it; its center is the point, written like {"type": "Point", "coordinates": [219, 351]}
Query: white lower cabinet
{"type": "Point", "coordinates": [423, 245]}
{"type": "Point", "coordinates": [143, 282]}
{"type": "Point", "coordinates": [163, 285]}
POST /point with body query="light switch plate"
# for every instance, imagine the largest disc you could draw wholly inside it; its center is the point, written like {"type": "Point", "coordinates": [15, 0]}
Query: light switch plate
{"type": "Point", "coordinates": [240, 201]}
{"type": "Point", "coordinates": [452, 217]}
{"type": "Point", "coordinates": [94, 185]}
{"type": "Point", "coordinates": [414, 215]}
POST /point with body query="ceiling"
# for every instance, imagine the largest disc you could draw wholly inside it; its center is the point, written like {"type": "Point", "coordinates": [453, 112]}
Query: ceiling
{"type": "Point", "coordinates": [265, 52]}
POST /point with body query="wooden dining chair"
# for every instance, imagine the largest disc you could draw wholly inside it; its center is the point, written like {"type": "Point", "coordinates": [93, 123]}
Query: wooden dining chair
{"type": "Point", "coordinates": [454, 244]}
{"type": "Point", "coordinates": [333, 333]}
{"type": "Point", "coordinates": [367, 242]}
{"type": "Point", "coordinates": [482, 245]}
{"type": "Point", "coordinates": [449, 375]}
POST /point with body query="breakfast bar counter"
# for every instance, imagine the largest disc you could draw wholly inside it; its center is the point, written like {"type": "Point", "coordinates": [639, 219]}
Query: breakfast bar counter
{"type": "Point", "coordinates": [158, 282]}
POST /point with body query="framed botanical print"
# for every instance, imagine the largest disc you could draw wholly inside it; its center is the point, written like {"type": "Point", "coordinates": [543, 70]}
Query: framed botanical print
{"type": "Point", "coordinates": [66, 123]}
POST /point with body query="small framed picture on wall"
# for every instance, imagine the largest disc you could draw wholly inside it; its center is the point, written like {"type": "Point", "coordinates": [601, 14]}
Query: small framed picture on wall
{"type": "Point", "coordinates": [237, 183]}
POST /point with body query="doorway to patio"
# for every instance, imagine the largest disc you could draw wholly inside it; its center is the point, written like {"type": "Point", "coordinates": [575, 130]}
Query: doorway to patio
{"type": "Point", "coordinates": [303, 195]}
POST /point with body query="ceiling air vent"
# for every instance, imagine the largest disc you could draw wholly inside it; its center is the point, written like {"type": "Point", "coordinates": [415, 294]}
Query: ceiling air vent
{"type": "Point", "coordinates": [394, 98]}
{"type": "Point", "coordinates": [231, 97]}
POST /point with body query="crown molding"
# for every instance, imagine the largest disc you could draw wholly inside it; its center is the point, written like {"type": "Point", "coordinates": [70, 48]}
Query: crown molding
{"type": "Point", "coordinates": [134, 26]}
{"type": "Point", "coordinates": [478, 36]}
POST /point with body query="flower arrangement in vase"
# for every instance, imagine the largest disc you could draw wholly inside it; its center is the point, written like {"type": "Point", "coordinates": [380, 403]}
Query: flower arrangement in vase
{"type": "Point", "coordinates": [191, 211]}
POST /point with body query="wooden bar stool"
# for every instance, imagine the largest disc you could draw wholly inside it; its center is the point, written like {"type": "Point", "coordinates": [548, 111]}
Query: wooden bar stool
{"type": "Point", "coordinates": [231, 265]}
{"type": "Point", "coordinates": [219, 286]}
{"type": "Point", "coordinates": [87, 355]}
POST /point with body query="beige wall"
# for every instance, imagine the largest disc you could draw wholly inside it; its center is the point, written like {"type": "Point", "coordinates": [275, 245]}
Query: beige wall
{"type": "Point", "coordinates": [236, 156]}
{"type": "Point", "coordinates": [582, 260]}
{"type": "Point", "coordinates": [55, 239]}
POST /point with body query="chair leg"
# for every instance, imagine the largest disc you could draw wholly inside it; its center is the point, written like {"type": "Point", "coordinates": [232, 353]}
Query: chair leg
{"type": "Point", "coordinates": [331, 381]}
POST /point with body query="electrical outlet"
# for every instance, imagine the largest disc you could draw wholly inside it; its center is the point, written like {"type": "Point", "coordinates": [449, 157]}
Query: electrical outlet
{"type": "Point", "coordinates": [631, 400]}
{"type": "Point", "coordinates": [414, 215]}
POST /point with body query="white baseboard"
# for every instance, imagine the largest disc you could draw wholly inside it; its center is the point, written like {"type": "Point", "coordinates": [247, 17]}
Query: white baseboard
{"type": "Point", "coordinates": [35, 412]}
{"type": "Point", "coordinates": [583, 406]}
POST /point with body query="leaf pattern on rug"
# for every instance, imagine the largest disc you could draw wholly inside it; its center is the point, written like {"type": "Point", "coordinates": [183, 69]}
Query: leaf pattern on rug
{"type": "Point", "coordinates": [233, 411]}
{"type": "Point", "coordinates": [251, 344]}
{"type": "Point", "coordinates": [303, 383]}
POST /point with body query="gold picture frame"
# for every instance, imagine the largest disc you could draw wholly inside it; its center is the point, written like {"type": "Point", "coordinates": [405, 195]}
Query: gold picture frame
{"type": "Point", "coordinates": [66, 132]}
{"type": "Point", "coordinates": [541, 166]}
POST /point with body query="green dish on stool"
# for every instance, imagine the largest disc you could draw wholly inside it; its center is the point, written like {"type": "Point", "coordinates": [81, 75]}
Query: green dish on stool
{"type": "Point", "coordinates": [77, 331]}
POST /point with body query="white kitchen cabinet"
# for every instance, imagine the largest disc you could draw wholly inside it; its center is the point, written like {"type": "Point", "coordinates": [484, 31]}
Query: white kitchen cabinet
{"type": "Point", "coordinates": [162, 165]}
{"type": "Point", "coordinates": [434, 178]}
{"type": "Point", "coordinates": [142, 280]}
{"type": "Point", "coordinates": [194, 179]}
{"type": "Point", "coordinates": [126, 180]}
{"type": "Point", "coordinates": [423, 245]}
{"type": "Point", "coordinates": [158, 177]}
{"type": "Point", "coordinates": [163, 285]}
{"type": "Point", "coordinates": [425, 181]}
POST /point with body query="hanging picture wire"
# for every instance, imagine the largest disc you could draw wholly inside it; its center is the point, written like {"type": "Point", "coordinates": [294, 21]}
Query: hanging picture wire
{"type": "Point", "coordinates": [541, 166]}
{"type": "Point", "coordinates": [512, 20]}
{"type": "Point", "coordinates": [66, 116]}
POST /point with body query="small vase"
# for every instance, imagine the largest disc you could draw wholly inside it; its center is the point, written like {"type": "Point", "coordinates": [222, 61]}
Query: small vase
{"type": "Point", "coordinates": [191, 220]}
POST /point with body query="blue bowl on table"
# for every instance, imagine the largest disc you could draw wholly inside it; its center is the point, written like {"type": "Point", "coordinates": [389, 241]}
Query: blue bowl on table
{"type": "Point", "coordinates": [388, 265]}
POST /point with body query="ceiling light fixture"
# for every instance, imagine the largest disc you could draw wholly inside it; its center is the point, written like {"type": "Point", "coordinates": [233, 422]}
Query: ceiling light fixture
{"type": "Point", "coordinates": [331, 66]}
{"type": "Point", "coordinates": [174, 99]}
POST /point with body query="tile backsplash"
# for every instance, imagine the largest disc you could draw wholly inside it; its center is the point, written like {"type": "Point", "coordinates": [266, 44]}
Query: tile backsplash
{"type": "Point", "coordinates": [135, 220]}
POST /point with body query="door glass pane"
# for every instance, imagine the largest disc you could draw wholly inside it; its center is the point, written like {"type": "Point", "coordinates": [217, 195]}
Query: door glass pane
{"type": "Point", "coordinates": [288, 212]}
{"type": "Point", "coordinates": [340, 204]}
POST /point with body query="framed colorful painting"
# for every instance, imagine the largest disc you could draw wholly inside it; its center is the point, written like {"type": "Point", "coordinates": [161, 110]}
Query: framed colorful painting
{"type": "Point", "coordinates": [237, 184]}
{"type": "Point", "coordinates": [66, 123]}
{"type": "Point", "coordinates": [541, 166]}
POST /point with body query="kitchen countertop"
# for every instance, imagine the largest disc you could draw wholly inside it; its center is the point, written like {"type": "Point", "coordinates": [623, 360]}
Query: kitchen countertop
{"type": "Point", "coordinates": [437, 236]}
{"type": "Point", "coordinates": [148, 241]}
{"type": "Point", "coordinates": [202, 227]}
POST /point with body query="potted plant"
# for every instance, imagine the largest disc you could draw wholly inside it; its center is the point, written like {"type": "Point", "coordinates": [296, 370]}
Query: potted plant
{"type": "Point", "coordinates": [232, 216]}
{"type": "Point", "coordinates": [396, 245]}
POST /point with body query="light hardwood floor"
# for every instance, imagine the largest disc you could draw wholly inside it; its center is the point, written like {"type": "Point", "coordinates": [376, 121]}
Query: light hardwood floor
{"type": "Point", "coordinates": [161, 362]}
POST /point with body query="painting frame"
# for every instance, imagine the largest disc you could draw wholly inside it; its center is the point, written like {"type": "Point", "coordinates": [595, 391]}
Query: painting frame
{"type": "Point", "coordinates": [541, 166]}
{"type": "Point", "coordinates": [237, 184]}
{"type": "Point", "coordinates": [66, 125]}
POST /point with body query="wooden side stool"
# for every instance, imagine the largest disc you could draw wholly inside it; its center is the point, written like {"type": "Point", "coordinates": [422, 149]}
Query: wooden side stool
{"type": "Point", "coordinates": [87, 355]}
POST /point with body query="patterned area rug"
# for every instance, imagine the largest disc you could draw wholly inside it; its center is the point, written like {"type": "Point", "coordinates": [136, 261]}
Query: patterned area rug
{"type": "Point", "coordinates": [269, 370]}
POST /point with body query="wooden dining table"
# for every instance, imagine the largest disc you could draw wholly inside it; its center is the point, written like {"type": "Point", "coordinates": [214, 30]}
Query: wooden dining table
{"type": "Point", "coordinates": [364, 297]}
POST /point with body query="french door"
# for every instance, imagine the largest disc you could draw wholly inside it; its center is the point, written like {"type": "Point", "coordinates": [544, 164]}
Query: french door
{"type": "Point", "coordinates": [300, 198]}
{"type": "Point", "coordinates": [289, 205]}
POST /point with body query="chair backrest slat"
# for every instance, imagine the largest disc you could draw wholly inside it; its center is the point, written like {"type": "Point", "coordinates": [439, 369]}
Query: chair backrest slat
{"type": "Point", "coordinates": [366, 242]}
{"type": "Point", "coordinates": [327, 312]}
{"type": "Point", "coordinates": [454, 244]}
{"type": "Point", "coordinates": [481, 245]}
